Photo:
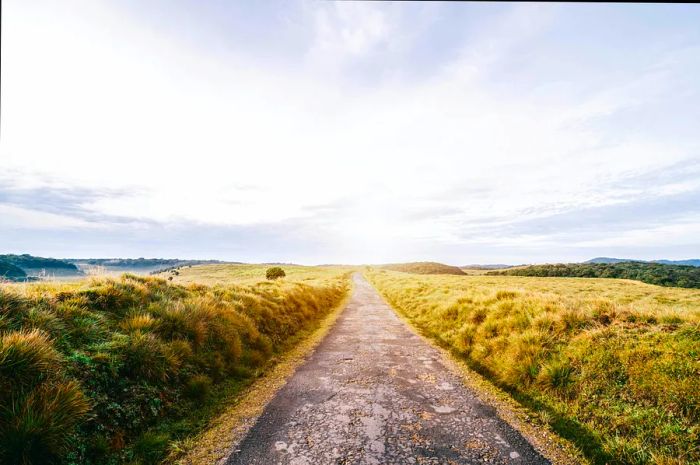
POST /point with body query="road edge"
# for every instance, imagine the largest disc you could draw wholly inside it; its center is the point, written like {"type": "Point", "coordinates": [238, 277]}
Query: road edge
{"type": "Point", "coordinates": [543, 439]}
{"type": "Point", "coordinates": [214, 445]}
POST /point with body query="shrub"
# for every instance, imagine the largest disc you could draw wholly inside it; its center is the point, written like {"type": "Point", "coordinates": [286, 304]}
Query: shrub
{"type": "Point", "coordinates": [274, 273]}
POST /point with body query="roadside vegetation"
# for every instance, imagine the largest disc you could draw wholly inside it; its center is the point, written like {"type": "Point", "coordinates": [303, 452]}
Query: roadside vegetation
{"type": "Point", "coordinates": [116, 371]}
{"type": "Point", "coordinates": [648, 272]}
{"type": "Point", "coordinates": [424, 268]}
{"type": "Point", "coordinates": [612, 365]}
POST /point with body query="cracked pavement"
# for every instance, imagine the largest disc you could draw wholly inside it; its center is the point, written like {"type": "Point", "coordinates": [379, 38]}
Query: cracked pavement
{"type": "Point", "coordinates": [373, 392]}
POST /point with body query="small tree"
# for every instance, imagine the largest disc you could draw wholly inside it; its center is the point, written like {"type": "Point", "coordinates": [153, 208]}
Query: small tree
{"type": "Point", "coordinates": [274, 273]}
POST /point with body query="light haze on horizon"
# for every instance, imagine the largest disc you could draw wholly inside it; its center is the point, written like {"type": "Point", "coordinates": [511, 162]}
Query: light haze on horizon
{"type": "Point", "coordinates": [350, 132]}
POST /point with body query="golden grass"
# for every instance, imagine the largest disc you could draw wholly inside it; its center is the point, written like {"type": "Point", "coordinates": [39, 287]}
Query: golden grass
{"type": "Point", "coordinates": [252, 274]}
{"type": "Point", "coordinates": [152, 358]}
{"type": "Point", "coordinates": [37, 406]}
{"type": "Point", "coordinates": [613, 365]}
{"type": "Point", "coordinates": [215, 442]}
{"type": "Point", "coordinates": [539, 433]}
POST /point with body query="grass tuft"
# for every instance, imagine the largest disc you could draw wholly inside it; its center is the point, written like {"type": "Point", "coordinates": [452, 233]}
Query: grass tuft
{"type": "Point", "coordinates": [26, 357]}
{"type": "Point", "coordinates": [198, 388]}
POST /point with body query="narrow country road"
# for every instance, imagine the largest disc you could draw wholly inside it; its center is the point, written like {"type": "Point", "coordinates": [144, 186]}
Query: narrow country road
{"type": "Point", "coordinates": [375, 393]}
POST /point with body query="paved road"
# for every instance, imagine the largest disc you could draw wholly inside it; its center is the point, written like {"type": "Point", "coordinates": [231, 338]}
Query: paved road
{"type": "Point", "coordinates": [375, 393]}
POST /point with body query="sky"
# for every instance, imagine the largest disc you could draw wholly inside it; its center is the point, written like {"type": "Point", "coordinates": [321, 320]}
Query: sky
{"type": "Point", "coordinates": [350, 132]}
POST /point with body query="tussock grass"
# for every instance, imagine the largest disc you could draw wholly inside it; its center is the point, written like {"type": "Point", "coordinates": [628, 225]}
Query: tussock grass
{"type": "Point", "coordinates": [110, 371]}
{"type": "Point", "coordinates": [37, 404]}
{"type": "Point", "coordinates": [612, 365]}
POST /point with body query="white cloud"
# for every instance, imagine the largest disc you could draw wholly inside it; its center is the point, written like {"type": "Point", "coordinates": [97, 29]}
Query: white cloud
{"type": "Point", "coordinates": [94, 99]}
{"type": "Point", "coordinates": [349, 28]}
{"type": "Point", "coordinates": [685, 231]}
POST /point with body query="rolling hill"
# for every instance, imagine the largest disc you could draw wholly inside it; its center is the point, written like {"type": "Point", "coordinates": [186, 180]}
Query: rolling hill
{"type": "Point", "coordinates": [10, 272]}
{"type": "Point", "coordinates": [30, 266]}
{"type": "Point", "coordinates": [30, 262]}
{"type": "Point", "coordinates": [424, 268]}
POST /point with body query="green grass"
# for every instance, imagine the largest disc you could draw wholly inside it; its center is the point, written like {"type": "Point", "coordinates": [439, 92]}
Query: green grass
{"type": "Point", "coordinates": [112, 371]}
{"type": "Point", "coordinates": [612, 365]}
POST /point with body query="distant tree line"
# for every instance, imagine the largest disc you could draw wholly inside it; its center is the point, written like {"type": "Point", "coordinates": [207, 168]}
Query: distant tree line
{"type": "Point", "coordinates": [131, 262]}
{"type": "Point", "coordinates": [651, 273]}
{"type": "Point", "coordinates": [10, 272]}
{"type": "Point", "coordinates": [143, 262]}
{"type": "Point", "coordinates": [26, 261]}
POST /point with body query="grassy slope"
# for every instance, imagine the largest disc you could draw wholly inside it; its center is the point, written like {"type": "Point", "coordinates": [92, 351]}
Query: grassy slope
{"type": "Point", "coordinates": [424, 268]}
{"type": "Point", "coordinates": [114, 370]}
{"type": "Point", "coordinates": [613, 365]}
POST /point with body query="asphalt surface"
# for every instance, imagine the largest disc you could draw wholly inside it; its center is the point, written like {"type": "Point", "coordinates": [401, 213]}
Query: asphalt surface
{"type": "Point", "coordinates": [373, 392]}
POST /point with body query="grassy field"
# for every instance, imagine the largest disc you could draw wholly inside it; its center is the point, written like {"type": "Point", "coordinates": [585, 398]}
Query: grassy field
{"type": "Point", "coordinates": [250, 274]}
{"type": "Point", "coordinates": [612, 365]}
{"type": "Point", "coordinates": [112, 371]}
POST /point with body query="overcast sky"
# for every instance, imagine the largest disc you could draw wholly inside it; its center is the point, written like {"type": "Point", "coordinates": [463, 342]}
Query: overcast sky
{"type": "Point", "coordinates": [350, 132]}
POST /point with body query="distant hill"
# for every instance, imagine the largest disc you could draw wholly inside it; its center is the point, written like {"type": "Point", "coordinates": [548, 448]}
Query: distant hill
{"type": "Point", "coordinates": [689, 262]}
{"type": "Point", "coordinates": [139, 262]}
{"type": "Point", "coordinates": [648, 272]}
{"type": "Point", "coordinates": [424, 268]}
{"type": "Point", "coordinates": [127, 262]}
{"type": "Point", "coordinates": [11, 272]}
{"type": "Point", "coordinates": [36, 268]}
{"type": "Point", "coordinates": [495, 266]}
{"type": "Point", "coordinates": [610, 260]}
{"type": "Point", "coordinates": [39, 267]}
{"type": "Point", "coordinates": [30, 262]}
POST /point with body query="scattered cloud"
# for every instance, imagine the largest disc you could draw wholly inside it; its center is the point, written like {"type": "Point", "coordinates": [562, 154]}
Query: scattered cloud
{"type": "Point", "coordinates": [508, 138]}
